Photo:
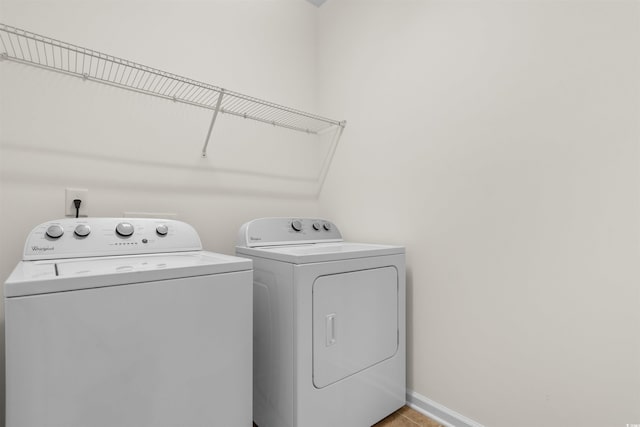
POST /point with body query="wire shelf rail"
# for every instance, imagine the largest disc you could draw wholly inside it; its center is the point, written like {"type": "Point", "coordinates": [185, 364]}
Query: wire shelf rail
{"type": "Point", "coordinates": [33, 49]}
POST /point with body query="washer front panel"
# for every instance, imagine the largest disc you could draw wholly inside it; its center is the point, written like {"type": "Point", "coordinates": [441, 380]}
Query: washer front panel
{"type": "Point", "coordinates": [160, 354]}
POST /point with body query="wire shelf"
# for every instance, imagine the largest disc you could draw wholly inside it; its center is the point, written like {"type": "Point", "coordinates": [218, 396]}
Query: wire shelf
{"type": "Point", "coordinates": [33, 49]}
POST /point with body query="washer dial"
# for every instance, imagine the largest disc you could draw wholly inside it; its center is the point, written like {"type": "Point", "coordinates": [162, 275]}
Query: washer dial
{"type": "Point", "coordinates": [124, 229]}
{"type": "Point", "coordinates": [82, 230]}
{"type": "Point", "coordinates": [55, 231]}
{"type": "Point", "coordinates": [296, 225]}
{"type": "Point", "coordinates": [162, 229]}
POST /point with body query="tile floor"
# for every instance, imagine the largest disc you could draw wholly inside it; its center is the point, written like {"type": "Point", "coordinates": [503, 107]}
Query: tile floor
{"type": "Point", "coordinates": [404, 417]}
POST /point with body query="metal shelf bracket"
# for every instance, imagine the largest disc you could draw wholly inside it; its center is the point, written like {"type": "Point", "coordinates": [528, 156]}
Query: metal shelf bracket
{"type": "Point", "coordinates": [213, 122]}
{"type": "Point", "coordinates": [329, 157]}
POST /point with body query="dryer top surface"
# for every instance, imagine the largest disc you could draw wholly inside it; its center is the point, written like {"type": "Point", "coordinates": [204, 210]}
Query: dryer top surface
{"type": "Point", "coordinates": [320, 252]}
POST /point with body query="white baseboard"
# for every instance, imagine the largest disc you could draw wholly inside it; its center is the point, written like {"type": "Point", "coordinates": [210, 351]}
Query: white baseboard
{"type": "Point", "coordinates": [438, 412]}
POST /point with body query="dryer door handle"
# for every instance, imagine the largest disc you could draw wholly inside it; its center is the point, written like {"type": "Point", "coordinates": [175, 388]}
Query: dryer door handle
{"type": "Point", "coordinates": [331, 329]}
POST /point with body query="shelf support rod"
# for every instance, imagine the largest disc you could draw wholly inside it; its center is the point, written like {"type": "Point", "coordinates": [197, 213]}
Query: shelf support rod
{"type": "Point", "coordinates": [213, 122]}
{"type": "Point", "coordinates": [329, 158]}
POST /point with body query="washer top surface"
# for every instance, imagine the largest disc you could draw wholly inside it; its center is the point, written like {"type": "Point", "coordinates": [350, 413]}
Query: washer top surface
{"type": "Point", "coordinates": [154, 250]}
{"type": "Point", "coordinates": [302, 241]}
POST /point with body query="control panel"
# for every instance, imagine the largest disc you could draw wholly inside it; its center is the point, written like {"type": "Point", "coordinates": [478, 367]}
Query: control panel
{"type": "Point", "coordinates": [91, 237]}
{"type": "Point", "coordinates": [286, 231]}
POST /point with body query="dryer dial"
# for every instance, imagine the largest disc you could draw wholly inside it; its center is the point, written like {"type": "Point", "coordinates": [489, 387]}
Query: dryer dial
{"type": "Point", "coordinates": [296, 225]}
{"type": "Point", "coordinates": [326, 226]}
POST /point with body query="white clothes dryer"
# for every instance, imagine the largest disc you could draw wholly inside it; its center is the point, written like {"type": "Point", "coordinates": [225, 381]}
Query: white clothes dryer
{"type": "Point", "coordinates": [329, 325]}
{"type": "Point", "coordinates": [128, 323]}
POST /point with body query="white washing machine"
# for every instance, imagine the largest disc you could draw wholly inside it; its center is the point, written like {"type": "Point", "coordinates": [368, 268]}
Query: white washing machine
{"type": "Point", "coordinates": [329, 325]}
{"type": "Point", "coordinates": [127, 323]}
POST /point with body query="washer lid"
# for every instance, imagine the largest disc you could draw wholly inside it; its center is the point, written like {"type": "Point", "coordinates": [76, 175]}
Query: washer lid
{"type": "Point", "coordinates": [320, 252]}
{"type": "Point", "coordinates": [39, 277]}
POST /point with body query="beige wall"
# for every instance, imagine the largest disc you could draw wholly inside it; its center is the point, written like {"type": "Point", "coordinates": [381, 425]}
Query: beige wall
{"type": "Point", "coordinates": [138, 153]}
{"type": "Point", "coordinates": [498, 141]}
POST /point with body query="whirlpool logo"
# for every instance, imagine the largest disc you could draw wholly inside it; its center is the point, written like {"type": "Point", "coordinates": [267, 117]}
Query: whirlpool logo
{"type": "Point", "coordinates": [42, 248]}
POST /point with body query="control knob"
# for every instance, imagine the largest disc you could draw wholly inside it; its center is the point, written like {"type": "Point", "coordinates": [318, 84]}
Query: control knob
{"type": "Point", "coordinates": [124, 229]}
{"type": "Point", "coordinates": [316, 226]}
{"type": "Point", "coordinates": [82, 230]}
{"type": "Point", "coordinates": [162, 229]}
{"type": "Point", "coordinates": [296, 225]}
{"type": "Point", "coordinates": [55, 231]}
{"type": "Point", "coordinates": [326, 226]}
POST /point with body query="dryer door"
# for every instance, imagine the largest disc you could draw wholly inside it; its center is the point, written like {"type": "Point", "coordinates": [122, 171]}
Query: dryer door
{"type": "Point", "coordinates": [355, 322]}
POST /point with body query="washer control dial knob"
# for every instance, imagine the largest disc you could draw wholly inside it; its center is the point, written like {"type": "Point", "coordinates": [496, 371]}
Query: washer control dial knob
{"type": "Point", "coordinates": [316, 226]}
{"type": "Point", "coordinates": [82, 230]}
{"type": "Point", "coordinates": [124, 229]}
{"type": "Point", "coordinates": [326, 226]}
{"type": "Point", "coordinates": [55, 231]}
{"type": "Point", "coordinates": [296, 225]}
{"type": "Point", "coordinates": [162, 229]}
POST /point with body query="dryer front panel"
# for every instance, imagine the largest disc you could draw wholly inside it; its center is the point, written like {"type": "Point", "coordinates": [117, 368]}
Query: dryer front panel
{"type": "Point", "coordinates": [355, 322]}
